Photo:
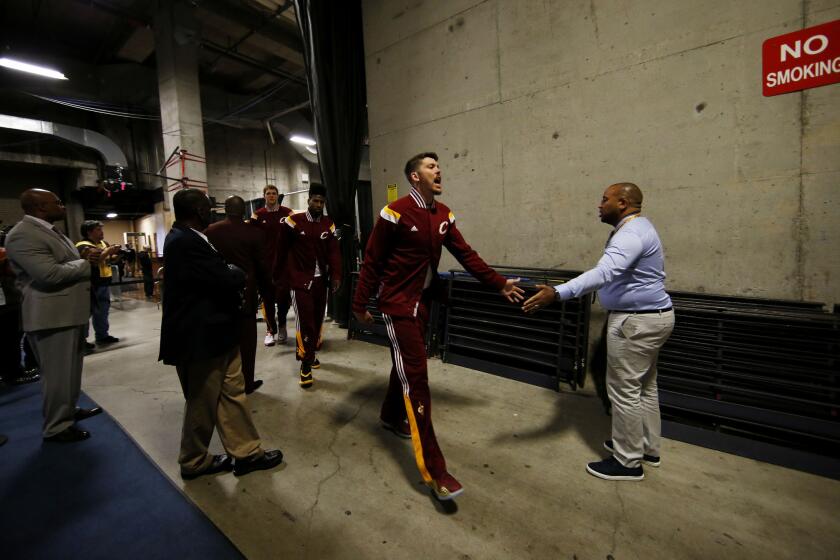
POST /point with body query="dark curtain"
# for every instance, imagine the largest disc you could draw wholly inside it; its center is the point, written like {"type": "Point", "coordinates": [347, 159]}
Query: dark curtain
{"type": "Point", "coordinates": [335, 67]}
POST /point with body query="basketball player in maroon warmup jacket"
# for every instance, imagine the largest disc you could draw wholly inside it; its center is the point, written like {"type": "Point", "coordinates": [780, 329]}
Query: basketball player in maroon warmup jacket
{"type": "Point", "coordinates": [400, 265]}
{"type": "Point", "coordinates": [307, 251]}
{"type": "Point", "coordinates": [268, 219]}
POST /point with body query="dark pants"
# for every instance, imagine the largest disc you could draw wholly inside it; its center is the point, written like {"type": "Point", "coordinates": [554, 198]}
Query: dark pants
{"type": "Point", "coordinates": [276, 307]}
{"type": "Point", "coordinates": [408, 393]}
{"type": "Point", "coordinates": [10, 368]}
{"type": "Point", "coordinates": [100, 306]}
{"type": "Point", "coordinates": [309, 316]}
{"type": "Point", "coordinates": [248, 348]}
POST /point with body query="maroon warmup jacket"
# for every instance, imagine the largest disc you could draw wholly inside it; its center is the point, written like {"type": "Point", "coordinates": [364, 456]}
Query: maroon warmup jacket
{"type": "Point", "coordinates": [270, 223]}
{"type": "Point", "coordinates": [406, 244]}
{"type": "Point", "coordinates": [301, 243]}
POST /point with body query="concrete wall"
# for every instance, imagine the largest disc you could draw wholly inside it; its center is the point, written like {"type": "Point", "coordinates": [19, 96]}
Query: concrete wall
{"type": "Point", "coordinates": [535, 106]}
{"type": "Point", "coordinates": [114, 229]}
{"type": "Point", "coordinates": [242, 162]}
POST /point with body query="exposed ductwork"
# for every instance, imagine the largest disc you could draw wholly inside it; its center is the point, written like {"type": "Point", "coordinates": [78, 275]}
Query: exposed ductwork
{"type": "Point", "coordinates": [111, 154]}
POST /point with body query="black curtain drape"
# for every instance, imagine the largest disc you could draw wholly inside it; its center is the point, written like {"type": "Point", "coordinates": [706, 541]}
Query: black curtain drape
{"type": "Point", "coordinates": [335, 66]}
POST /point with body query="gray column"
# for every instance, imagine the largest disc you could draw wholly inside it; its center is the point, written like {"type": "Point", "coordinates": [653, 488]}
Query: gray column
{"type": "Point", "coordinates": [176, 49]}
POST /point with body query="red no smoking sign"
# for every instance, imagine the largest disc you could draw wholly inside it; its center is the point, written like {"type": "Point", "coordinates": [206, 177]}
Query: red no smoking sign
{"type": "Point", "coordinates": [801, 60]}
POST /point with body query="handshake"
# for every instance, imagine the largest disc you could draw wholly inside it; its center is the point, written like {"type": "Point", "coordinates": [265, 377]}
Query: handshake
{"type": "Point", "coordinates": [95, 255]}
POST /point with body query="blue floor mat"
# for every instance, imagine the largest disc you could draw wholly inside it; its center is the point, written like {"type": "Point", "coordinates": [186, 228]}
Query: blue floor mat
{"type": "Point", "coordinates": [100, 498]}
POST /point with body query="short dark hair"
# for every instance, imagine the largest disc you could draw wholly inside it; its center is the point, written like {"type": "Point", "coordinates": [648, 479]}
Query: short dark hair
{"type": "Point", "coordinates": [88, 226]}
{"type": "Point", "coordinates": [265, 188]}
{"type": "Point", "coordinates": [413, 164]}
{"type": "Point", "coordinates": [316, 189]}
{"type": "Point", "coordinates": [185, 203]}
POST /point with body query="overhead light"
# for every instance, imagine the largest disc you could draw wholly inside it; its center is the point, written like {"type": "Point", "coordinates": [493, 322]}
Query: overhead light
{"type": "Point", "coordinates": [111, 215]}
{"type": "Point", "coordinates": [311, 150]}
{"type": "Point", "coordinates": [31, 68]}
{"type": "Point", "coordinates": [302, 140]}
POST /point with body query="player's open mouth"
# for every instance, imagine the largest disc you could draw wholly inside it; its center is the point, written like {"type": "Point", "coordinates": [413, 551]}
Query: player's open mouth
{"type": "Point", "coordinates": [437, 180]}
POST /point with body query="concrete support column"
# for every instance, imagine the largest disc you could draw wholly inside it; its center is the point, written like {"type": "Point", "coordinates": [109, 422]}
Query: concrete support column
{"type": "Point", "coordinates": [176, 46]}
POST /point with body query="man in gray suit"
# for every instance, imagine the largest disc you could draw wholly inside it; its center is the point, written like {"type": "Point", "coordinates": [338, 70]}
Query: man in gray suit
{"type": "Point", "coordinates": [55, 282]}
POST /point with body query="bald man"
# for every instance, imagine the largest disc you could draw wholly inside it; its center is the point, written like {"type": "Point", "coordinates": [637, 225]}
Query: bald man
{"type": "Point", "coordinates": [55, 284]}
{"type": "Point", "coordinates": [630, 279]}
{"type": "Point", "coordinates": [244, 245]}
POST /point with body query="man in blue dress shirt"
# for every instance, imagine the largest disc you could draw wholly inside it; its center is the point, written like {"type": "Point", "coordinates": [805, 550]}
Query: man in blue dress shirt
{"type": "Point", "coordinates": [630, 279]}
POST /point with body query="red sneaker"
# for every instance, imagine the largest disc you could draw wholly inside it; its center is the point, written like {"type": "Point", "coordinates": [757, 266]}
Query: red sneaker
{"type": "Point", "coordinates": [446, 487]}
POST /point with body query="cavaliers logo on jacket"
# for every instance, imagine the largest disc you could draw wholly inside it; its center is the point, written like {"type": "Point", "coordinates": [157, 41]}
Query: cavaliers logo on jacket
{"type": "Point", "coordinates": [409, 238]}
{"type": "Point", "coordinates": [307, 247]}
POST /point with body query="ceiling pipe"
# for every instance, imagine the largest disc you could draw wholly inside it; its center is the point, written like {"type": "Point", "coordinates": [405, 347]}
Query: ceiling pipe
{"type": "Point", "coordinates": [111, 154]}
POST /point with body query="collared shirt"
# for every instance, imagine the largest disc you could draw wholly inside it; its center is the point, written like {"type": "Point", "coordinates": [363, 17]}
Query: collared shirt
{"type": "Point", "coordinates": [204, 237]}
{"type": "Point", "coordinates": [631, 274]}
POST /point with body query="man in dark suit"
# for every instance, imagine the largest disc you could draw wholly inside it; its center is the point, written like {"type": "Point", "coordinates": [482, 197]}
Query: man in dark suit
{"type": "Point", "coordinates": [244, 245]}
{"type": "Point", "coordinates": [199, 335]}
{"type": "Point", "coordinates": [54, 280]}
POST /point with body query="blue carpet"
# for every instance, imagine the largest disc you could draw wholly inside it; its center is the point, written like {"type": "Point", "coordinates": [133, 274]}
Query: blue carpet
{"type": "Point", "coordinates": [100, 498]}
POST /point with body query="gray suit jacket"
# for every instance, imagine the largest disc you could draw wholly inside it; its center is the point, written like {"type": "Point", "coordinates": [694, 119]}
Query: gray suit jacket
{"type": "Point", "coordinates": [54, 279]}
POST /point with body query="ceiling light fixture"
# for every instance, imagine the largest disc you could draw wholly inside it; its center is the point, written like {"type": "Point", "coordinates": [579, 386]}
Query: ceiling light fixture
{"type": "Point", "coordinates": [302, 140]}
{"type": "Point", "coordinates": [111, 215]}
{"type": "Point", "coordinates": [311, 150]}
{"type": "Point", "coordinates": [31, 68]}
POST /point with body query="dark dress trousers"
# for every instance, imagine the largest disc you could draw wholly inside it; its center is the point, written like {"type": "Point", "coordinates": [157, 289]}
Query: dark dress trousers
{"type": "Point", "coordinates": [244, 245]}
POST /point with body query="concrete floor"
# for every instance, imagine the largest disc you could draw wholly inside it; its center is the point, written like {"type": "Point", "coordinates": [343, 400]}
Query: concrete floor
{"type": "Point", "coordinates": [349, 489]}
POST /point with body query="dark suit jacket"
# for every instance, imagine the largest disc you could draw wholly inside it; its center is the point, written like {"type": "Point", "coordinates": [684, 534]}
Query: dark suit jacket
{"type": "Point", "coordinates": [243, 245]}
{"type": "Point", "coordinates": [201, 300]}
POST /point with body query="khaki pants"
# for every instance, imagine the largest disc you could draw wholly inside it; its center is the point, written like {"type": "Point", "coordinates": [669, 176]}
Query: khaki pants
{"type": "Point", "coordinates": [59, 353]}
{"type": "Point", "coordinates": [215, 394]}
{"type": "Point", "coordinates": [633, 343]}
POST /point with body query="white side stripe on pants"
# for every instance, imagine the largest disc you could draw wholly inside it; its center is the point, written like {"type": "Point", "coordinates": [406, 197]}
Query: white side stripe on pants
{"type": "Point", "coordinates": [398, 362]}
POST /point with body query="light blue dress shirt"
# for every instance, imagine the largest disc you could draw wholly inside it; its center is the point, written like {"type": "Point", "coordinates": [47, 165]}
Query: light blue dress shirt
{"type": "Point", "coordinates": [631, 274]}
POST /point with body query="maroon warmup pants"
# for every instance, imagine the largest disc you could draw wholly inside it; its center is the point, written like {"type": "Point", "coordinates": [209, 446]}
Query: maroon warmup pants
{"type": "Point", "coordinates": [408, 390]}
{"type": "Point", "coordinates": [309, 316]}
{"type": "Point", "coordinates": [248, 348]}
{"type": "Point", "coordinates": [276, 308]}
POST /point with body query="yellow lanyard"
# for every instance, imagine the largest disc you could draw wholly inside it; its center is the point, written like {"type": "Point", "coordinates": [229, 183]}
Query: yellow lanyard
{"type": "Point", "coordinates": [621, 225]}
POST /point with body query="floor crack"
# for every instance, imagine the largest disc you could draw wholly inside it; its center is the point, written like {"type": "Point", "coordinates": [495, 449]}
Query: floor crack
{"type": "Point", "coordinates": [310, 512]}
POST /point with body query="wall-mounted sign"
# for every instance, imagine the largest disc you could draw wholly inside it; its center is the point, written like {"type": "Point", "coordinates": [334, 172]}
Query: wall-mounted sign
{"type": "Point", "coordinates": [392, 193]}
{"type": "Point", "coordinates": [801, 60]}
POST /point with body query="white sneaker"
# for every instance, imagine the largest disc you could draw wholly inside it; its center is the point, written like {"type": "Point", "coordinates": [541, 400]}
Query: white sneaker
{"type": "Point", "coordinates": [281, 336]}
{"type": "Point", "coordinates": [269, 339]}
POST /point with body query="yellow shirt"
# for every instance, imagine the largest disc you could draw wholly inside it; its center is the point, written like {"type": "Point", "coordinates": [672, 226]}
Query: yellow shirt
{"type": "Point", "coordinates": [104, 267]}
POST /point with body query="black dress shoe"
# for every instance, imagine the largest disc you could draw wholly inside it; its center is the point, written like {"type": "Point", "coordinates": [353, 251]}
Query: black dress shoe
{"type": "Point", "coordinates": [107, 340]}
{"type": "Point", "coordinates": [70, 435]}
{"type": "Point", "coordinates": [219, 464]}
{"type": "Point", "coordinates": [257, 384]}
{"type": "Point", "coordinates": [26, 378]}
{"type": "Point", "coordinates": [269, 460]}
{"type": "Point", "coordinates": [89, 346]}
{"type": "Point", "coordinates": [82, 413]}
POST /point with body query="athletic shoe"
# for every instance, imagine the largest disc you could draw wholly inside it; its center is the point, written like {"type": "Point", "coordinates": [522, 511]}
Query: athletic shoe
{"type": "Point", "coordinates": [269, 339]}
{"type": "Point", "coordinates": [316, 364]}
{"type": "Point", "coordinates": [305, 376]}
{"type": "Point", "coordinates": [651, 460]}
{"type": "Point", "coordinates": [281, 336]}
{"type": "Point", "coordinates": [611, 469]}
{"type": "Point", "coordinates": [402, 429]}
{"type": "Point", "coordinates": [446, 487]}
